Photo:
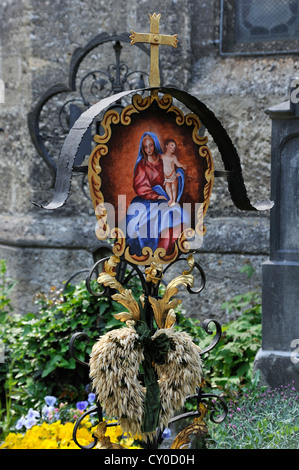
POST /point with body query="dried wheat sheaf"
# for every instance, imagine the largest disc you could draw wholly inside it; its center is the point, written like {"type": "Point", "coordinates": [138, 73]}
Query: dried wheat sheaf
{"type": "Point", "coordinates": [114, 366]}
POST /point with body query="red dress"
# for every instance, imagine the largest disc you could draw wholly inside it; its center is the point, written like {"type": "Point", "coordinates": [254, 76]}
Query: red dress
{"type": "Point", "coordinates": [146, 176]}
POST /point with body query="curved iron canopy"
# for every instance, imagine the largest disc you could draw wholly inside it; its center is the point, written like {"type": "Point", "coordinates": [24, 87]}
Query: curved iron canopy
{"type": "Point", "coordinates": [228, 152]}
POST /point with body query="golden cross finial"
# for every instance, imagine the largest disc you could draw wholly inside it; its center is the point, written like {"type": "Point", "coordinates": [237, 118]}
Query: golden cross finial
{"type": "Point", "coordinates": [155, 40]}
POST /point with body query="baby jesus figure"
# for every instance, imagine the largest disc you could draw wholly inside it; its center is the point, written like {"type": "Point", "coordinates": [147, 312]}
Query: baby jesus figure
{"type": "Point", "coordinates": [170, 163]}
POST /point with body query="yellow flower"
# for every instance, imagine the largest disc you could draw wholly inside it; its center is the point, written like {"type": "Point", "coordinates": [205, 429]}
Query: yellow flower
{"type": "Point", "coordinates": [114, 432]}
{"type": "Point", "coordinates": [66, 432]}
{"type": "Point", "coordinates": [85, 422]}
{"type": "Point", "coordinates": [49, 444]}
{"type": "Point", "coordinates": [60, 436]}
{"type": "Point", "coordinates": [11, 440]}
{"type": "Point", "coordinates": [83, 433]}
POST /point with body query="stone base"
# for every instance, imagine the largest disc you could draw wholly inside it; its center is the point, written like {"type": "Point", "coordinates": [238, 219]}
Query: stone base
{"type": "Point", "coordinates": [280, 325]}
{"type": "Point", "coordinates": [277, 368]}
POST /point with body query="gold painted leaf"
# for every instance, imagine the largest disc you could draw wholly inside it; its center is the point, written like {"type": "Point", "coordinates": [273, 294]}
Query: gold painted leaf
{"type": "Point", "coordinates": [191, 263]}
{"type": "Point", "coordinates": [161, 307]}
{"type": "Point", "coordinates": [123, 316]}
{"type": "Point", "coordinates": [171, 289]}
{"type": "Point", "coordinates": [126, 299]}
{"type": "Point", "coordinates": [197, 428]}
{"type": "Point", "coordinates": [104, 441]}
{"type": "Point", "coordinates": [111, 264]}
{"type": "Point", "coordinates": [109, 281]}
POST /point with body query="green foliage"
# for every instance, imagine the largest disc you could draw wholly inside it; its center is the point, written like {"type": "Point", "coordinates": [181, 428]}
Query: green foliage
{"type": "Point", "coordinates": [38, 344]}
{"type": "Point", "coordinates": [230, 363]}
{"type": "Point", "coordinates": [6, 376]}
{"type": "Point", "coordinates": [6, 286]}
{"type": "Point", "coordinates": [7, 412]}
{"type": "Point", "coordinates": [248, 269]}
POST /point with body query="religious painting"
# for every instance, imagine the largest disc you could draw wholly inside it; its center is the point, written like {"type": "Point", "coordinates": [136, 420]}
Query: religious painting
{"type": "Point", "coordinates": [151, 177]}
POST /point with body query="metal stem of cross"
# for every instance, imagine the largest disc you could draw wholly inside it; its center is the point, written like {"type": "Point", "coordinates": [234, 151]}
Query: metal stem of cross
{"type": "Point", "coordinates": [155, 39]}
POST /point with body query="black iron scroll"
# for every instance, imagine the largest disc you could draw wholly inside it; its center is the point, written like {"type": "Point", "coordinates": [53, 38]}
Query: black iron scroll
{"type": "Point", "coordinates": [224, 143]}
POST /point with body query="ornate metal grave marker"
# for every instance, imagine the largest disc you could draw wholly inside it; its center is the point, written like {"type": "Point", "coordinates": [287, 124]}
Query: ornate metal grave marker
{"type": "Point", "coordinates": [150, 176]}
{"type": "Point", "coordinates": [149, 167]}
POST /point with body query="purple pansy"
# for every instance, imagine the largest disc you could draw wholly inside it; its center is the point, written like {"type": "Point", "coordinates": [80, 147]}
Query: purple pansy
{"type": "Point", "coordinates": [81, 405]}
{"type": "Point", "coordinates": [91, 398]}
{"type": "Point", "coordinates": [29, 420]}
{"type": "Point", "coordinates": [50, 400]}
{"type": "Point", "coordinates": [166, 433]}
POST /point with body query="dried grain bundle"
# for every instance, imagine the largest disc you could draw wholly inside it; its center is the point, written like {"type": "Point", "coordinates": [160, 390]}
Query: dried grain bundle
{"type": "Point", "coordinates": [114, 366]}
{"type": "Point", "coordinates": [179, 375]}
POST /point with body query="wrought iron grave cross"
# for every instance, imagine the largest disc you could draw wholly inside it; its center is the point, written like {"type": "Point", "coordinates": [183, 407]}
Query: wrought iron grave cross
{"type": "Point", "coordinates": [155, 39]}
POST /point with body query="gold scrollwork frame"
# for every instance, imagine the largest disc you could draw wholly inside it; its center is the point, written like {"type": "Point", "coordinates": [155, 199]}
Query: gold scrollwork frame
{"type": "Point", "coordinates": [112, 117]}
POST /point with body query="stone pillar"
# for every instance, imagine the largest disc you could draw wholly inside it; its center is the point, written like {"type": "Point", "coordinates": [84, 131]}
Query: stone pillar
{"type": "Point", "coordinates": [278, 359]}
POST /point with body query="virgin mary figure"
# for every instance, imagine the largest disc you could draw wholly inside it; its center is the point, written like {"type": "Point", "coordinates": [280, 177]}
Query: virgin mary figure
{"type": "Point", "coordinates": [150, 221]}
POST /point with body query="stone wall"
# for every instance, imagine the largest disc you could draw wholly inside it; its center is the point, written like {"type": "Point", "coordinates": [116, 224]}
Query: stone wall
{"type": "Point", "coordinates": [37, 42]}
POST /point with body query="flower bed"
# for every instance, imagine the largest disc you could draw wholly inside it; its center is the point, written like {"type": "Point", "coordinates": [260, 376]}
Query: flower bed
{"type": "Point", "coordinates": [259, 418]}
{"type": "Point", "coordinates": [52, 428]}
{"type": "Point", "coordinates": [60, 436]}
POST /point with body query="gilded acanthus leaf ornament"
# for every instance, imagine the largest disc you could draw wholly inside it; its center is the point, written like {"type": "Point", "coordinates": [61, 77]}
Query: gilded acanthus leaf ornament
{"type": "Point", "coordinates": [171, 289]}
{"type": "Point", "coordinates": [154, 273]}
{"type": "Point", "coordinates": [104, 441]}
{"type": "Point", "coordinates": [124, 297]}
{"type": "Point", "coordinates": [191, 264]}
{"type": "Point", "coordinates": [162, 307]}
{"type": "Point", "coordinates": [109, 281]}
{"type": "Point", "coordinates": [111, 264]}
{"type": "Point", "coordinates": [170, 318]}
{"type": "Point", "coordinates": [197, 428]}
